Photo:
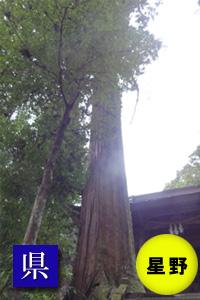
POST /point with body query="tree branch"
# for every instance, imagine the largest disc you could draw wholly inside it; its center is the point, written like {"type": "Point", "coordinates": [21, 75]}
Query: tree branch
{"type": "Point", "coordinates": [73, 211]}
{"type": "Point", "coordinates": [60, 57]}
{"type": "Point", "coordinates": [137, 98]}
{"type": "Point", "coordinates": [26, 53]}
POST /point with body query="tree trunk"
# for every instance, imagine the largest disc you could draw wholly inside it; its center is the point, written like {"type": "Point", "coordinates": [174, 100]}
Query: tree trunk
{"type": "Point", "coordinates": [105, 249]}
{"type": "Point", "coordinates": [43, 191]}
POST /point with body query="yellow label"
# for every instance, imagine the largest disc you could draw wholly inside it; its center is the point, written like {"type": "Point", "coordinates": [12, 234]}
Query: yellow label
{"type": "Point", "coordinates": [167, 264]}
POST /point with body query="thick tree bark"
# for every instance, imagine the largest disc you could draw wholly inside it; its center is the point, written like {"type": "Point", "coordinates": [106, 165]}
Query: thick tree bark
{"type": "Point", "coordinates": [43, 191]}
{"type": "Point", "coordinates": [105, 247]}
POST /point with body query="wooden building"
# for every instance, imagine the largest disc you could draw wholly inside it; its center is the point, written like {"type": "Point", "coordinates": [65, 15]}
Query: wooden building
{"type": "Point", "coordinates": [171, 211]}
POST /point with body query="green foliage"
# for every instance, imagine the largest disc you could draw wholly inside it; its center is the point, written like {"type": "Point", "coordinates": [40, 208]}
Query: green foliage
{"type": "Point", "coordinates": [190, 173]}
{"type": "Point", "coordinates": [23, 150]}
{"type": "Point", "coordinates": [50, 50]}
{"type": "Point", "coordinates": [34, 33]}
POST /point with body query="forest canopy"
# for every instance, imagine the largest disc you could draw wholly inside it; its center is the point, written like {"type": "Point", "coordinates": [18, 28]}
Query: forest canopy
{"type": "Point", "coordinates": [190, 174]}
{"type": "Point", "coordinates": [54, 57]}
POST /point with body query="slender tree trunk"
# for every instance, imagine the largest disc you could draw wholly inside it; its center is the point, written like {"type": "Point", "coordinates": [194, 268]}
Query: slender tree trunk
{"type": "Point", "coordinates": [43, 191]}
{"type": "Point", "coordinates": [105, 249]}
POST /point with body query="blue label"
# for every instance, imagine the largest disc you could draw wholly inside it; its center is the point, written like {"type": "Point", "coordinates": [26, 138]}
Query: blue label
{"type": "Point", "coordinates": [35, 266]}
